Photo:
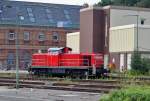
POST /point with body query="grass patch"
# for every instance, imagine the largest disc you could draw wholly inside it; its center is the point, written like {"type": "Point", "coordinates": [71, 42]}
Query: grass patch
{"type": "Point", "coordinates": [132, 93]}
{"type": "Point", "coordinates": [13, 75]}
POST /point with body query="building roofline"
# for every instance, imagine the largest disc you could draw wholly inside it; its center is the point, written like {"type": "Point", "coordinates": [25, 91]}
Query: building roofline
{"type": "Point", "coordinates": [42, 3]}
{"type": "Point", "coordinates": [35, 26]}
{"type": "Point", "coordinates": [91, 8]}
{"type": "Point", "coordinates": [116, 7]}
{"type": "Point", "coordinates": [129, 26]}
{"type": "Point", "coordinates": [127, 8]}
{"type": "Point", "coordinates": [74, 33]}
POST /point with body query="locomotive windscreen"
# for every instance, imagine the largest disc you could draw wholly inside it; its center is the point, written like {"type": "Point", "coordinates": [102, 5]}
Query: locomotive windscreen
{"type": "Point", "coordinates": [86, 60]}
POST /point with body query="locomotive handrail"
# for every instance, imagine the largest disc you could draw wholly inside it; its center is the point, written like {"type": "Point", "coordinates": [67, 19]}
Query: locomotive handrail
{"type": "Point", "coordinates": [75, 61]}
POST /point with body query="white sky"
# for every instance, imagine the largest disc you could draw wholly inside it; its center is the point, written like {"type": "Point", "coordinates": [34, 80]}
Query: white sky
{"type": "Point", "coordinates": [72, 2]}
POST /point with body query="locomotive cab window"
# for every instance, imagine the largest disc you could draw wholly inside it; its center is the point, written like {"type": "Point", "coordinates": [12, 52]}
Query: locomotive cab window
{"type": "Point", "coordinates": [86, 60]}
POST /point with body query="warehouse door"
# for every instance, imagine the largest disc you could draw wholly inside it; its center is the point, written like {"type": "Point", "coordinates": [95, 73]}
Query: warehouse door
{"type": "Point", "coordinates": [129, 61]}
{"type": "Point", "coordinates": [121, 62]}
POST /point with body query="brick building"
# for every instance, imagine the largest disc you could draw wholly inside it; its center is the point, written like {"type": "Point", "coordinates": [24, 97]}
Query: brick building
{"type": "Point", "coordinates": [34, 26]}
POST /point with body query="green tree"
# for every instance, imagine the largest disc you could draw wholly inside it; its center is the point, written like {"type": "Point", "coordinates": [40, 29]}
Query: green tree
{"type": "Point", "coordinates": [104, 3]}
{"type": "Point", "coordinates": [85, 5]}
{"type": "Point", "coordinates": [126, 2]}
{"type": "Point", "coordinates": [144, 3]}
{"type": "Point", "coordinates": [138, 64]}
{"type": "Point", "coordinates": [138, 3]}
{"type": "Point", "coordinates": [136, 61]}
{"type": "Point", "coordinates": [119, 2]}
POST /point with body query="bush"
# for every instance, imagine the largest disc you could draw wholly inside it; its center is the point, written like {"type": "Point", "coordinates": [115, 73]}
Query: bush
{"type": "Point", "coordinates": [140, 65]}
{"type": "Point", "coordinates": [133, 93]}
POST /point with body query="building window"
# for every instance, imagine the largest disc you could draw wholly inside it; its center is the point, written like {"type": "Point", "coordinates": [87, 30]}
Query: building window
{"type": "Point", "coordinates": [26, 36]}
{"type": "Point", "coordinates": [21, 17]}
{"type": "Point", "coordinates": [49, 15]}
{"type": "Point", "coordinates": [51, 20]}
{"type": "Point", "coordinates": [66, 12]}
{"type": "Point", "coordinates": [67, 15]}
{"type": "Point", "coordinates": [55, 36]}
{"type": "Point", "coordinates": [48, 10]}
{"type": "Point", "coordinates": [29, 9]}
{"type": "Point", "coordinates": [1, 11]}
{"type": "Point", "coordinates": [41, 37]}
{"type": "Point", "coordinates": [11, 36]}
{"type": "Point", "coordinates": [31, 15]}
{"type": "Point", "coordinates": [32, 19]}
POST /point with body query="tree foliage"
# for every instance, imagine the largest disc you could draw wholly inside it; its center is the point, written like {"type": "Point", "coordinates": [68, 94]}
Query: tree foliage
{"type": "Point", "coordinates": [140, 65]}
{"type": "Point", "coordinates": [144, 3]}
{"type": "Point", "coordinates": [104, 3]}
{"type": "Point", "coordinates": [138, 3]}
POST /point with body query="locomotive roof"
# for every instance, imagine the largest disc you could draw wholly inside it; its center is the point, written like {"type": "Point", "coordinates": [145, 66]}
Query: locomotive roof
{"type": "Point", "coordinates": [58, 48]}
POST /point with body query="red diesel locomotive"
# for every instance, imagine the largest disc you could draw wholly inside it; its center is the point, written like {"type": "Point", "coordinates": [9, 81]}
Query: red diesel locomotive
{"type": "Point", "coordinates": [61, 62]}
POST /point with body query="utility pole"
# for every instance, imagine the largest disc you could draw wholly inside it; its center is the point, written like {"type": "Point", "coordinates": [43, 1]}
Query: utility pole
{"type": "Point", "coordinates": [137, 32]}
{"type": "Point", "coordinates": [17, 61]}
{"type": "Point", "coordinates": [17, 49]}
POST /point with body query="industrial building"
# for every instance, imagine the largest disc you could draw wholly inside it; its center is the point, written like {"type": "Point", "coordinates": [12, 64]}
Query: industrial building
{"type": "Point", "coordinates": [73, 41]}
{"type": "Point", "coordinates": [31, 27]}
{"type": "Point", "coordinates": [124, 40]}
{"type": "Point", "coordinates": [111, 30]}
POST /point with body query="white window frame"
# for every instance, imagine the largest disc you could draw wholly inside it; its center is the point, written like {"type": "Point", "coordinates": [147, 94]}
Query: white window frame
{"type": "Point", "coordinates": [26, 36]}
{"type": "Point", "coordinates": [31, 15]}
{"type": "Point", "coordinates": [55, 34]}
{"type": "Point", "coordinates": [48, 10]}
{"type": "Point", "coordinates": [21, 17]}
{"type": "Point", "coordinates": [29, 9]}
{"type": "Point", "coordinates": [13, 37]}
{"type": "Point", "coordinates": [32, 19]}
{"type": "Point", "coordinates": [41, 38]}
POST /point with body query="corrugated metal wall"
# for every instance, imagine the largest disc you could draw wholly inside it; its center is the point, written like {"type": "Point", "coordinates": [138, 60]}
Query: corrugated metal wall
{"type": "Point", "coordinates": [121, 40]}
{"type": "Point", "coordinates": [73, 41]}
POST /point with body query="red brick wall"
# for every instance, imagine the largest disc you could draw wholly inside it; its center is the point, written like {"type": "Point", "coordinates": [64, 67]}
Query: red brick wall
{"type": "Point", "coordinates": [31, 46]}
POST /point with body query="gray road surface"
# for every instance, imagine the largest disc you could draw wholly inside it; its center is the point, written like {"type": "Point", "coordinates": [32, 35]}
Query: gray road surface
{"type": "Point", "coordinates": [29, 94]}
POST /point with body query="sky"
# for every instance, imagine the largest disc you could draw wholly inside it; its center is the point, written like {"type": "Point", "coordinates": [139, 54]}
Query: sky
{"type": "Point", "coordinates": [70, 2]}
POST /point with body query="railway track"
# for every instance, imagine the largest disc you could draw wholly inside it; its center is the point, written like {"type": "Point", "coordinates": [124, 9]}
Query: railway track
{"type": "Point", "coordinates": [97, 86]}
{"type": "Point", "coordinates": [101, 86]}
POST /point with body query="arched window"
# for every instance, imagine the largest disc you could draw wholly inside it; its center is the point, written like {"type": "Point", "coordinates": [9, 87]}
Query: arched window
{"type": "Point", "coordinates": [55, 36]}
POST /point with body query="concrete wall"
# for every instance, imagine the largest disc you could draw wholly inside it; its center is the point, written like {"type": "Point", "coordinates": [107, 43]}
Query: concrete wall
{"type": "Point", "coordinates": [86, 31]}
{"type": "Point", "coordinates": [124, 38]}
{"type": "Point", "coordinates": [73, 41]}
{"type": "Point", "coordinates": [92, 30]}
{"type": "Point", "coordinates": [123, 16]}
{"type": "Point", "coordinates": [144, 38]}
{"type": "Point", "coordinates": [123, 42]}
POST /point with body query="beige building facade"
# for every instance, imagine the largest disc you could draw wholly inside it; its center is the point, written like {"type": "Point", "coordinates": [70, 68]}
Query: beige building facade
{"type": "Point", "coordinates": [73, 41]}
{"type": "Point", "coordinates": [123, 42]}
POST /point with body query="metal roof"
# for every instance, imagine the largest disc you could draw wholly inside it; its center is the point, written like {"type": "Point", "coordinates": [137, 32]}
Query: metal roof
{"type": "Point", "coordinates": [39, 14]}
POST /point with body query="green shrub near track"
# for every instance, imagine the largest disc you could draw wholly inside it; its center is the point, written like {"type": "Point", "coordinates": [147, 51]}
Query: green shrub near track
{"type": "Point", "coordinates": [132, 93]}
